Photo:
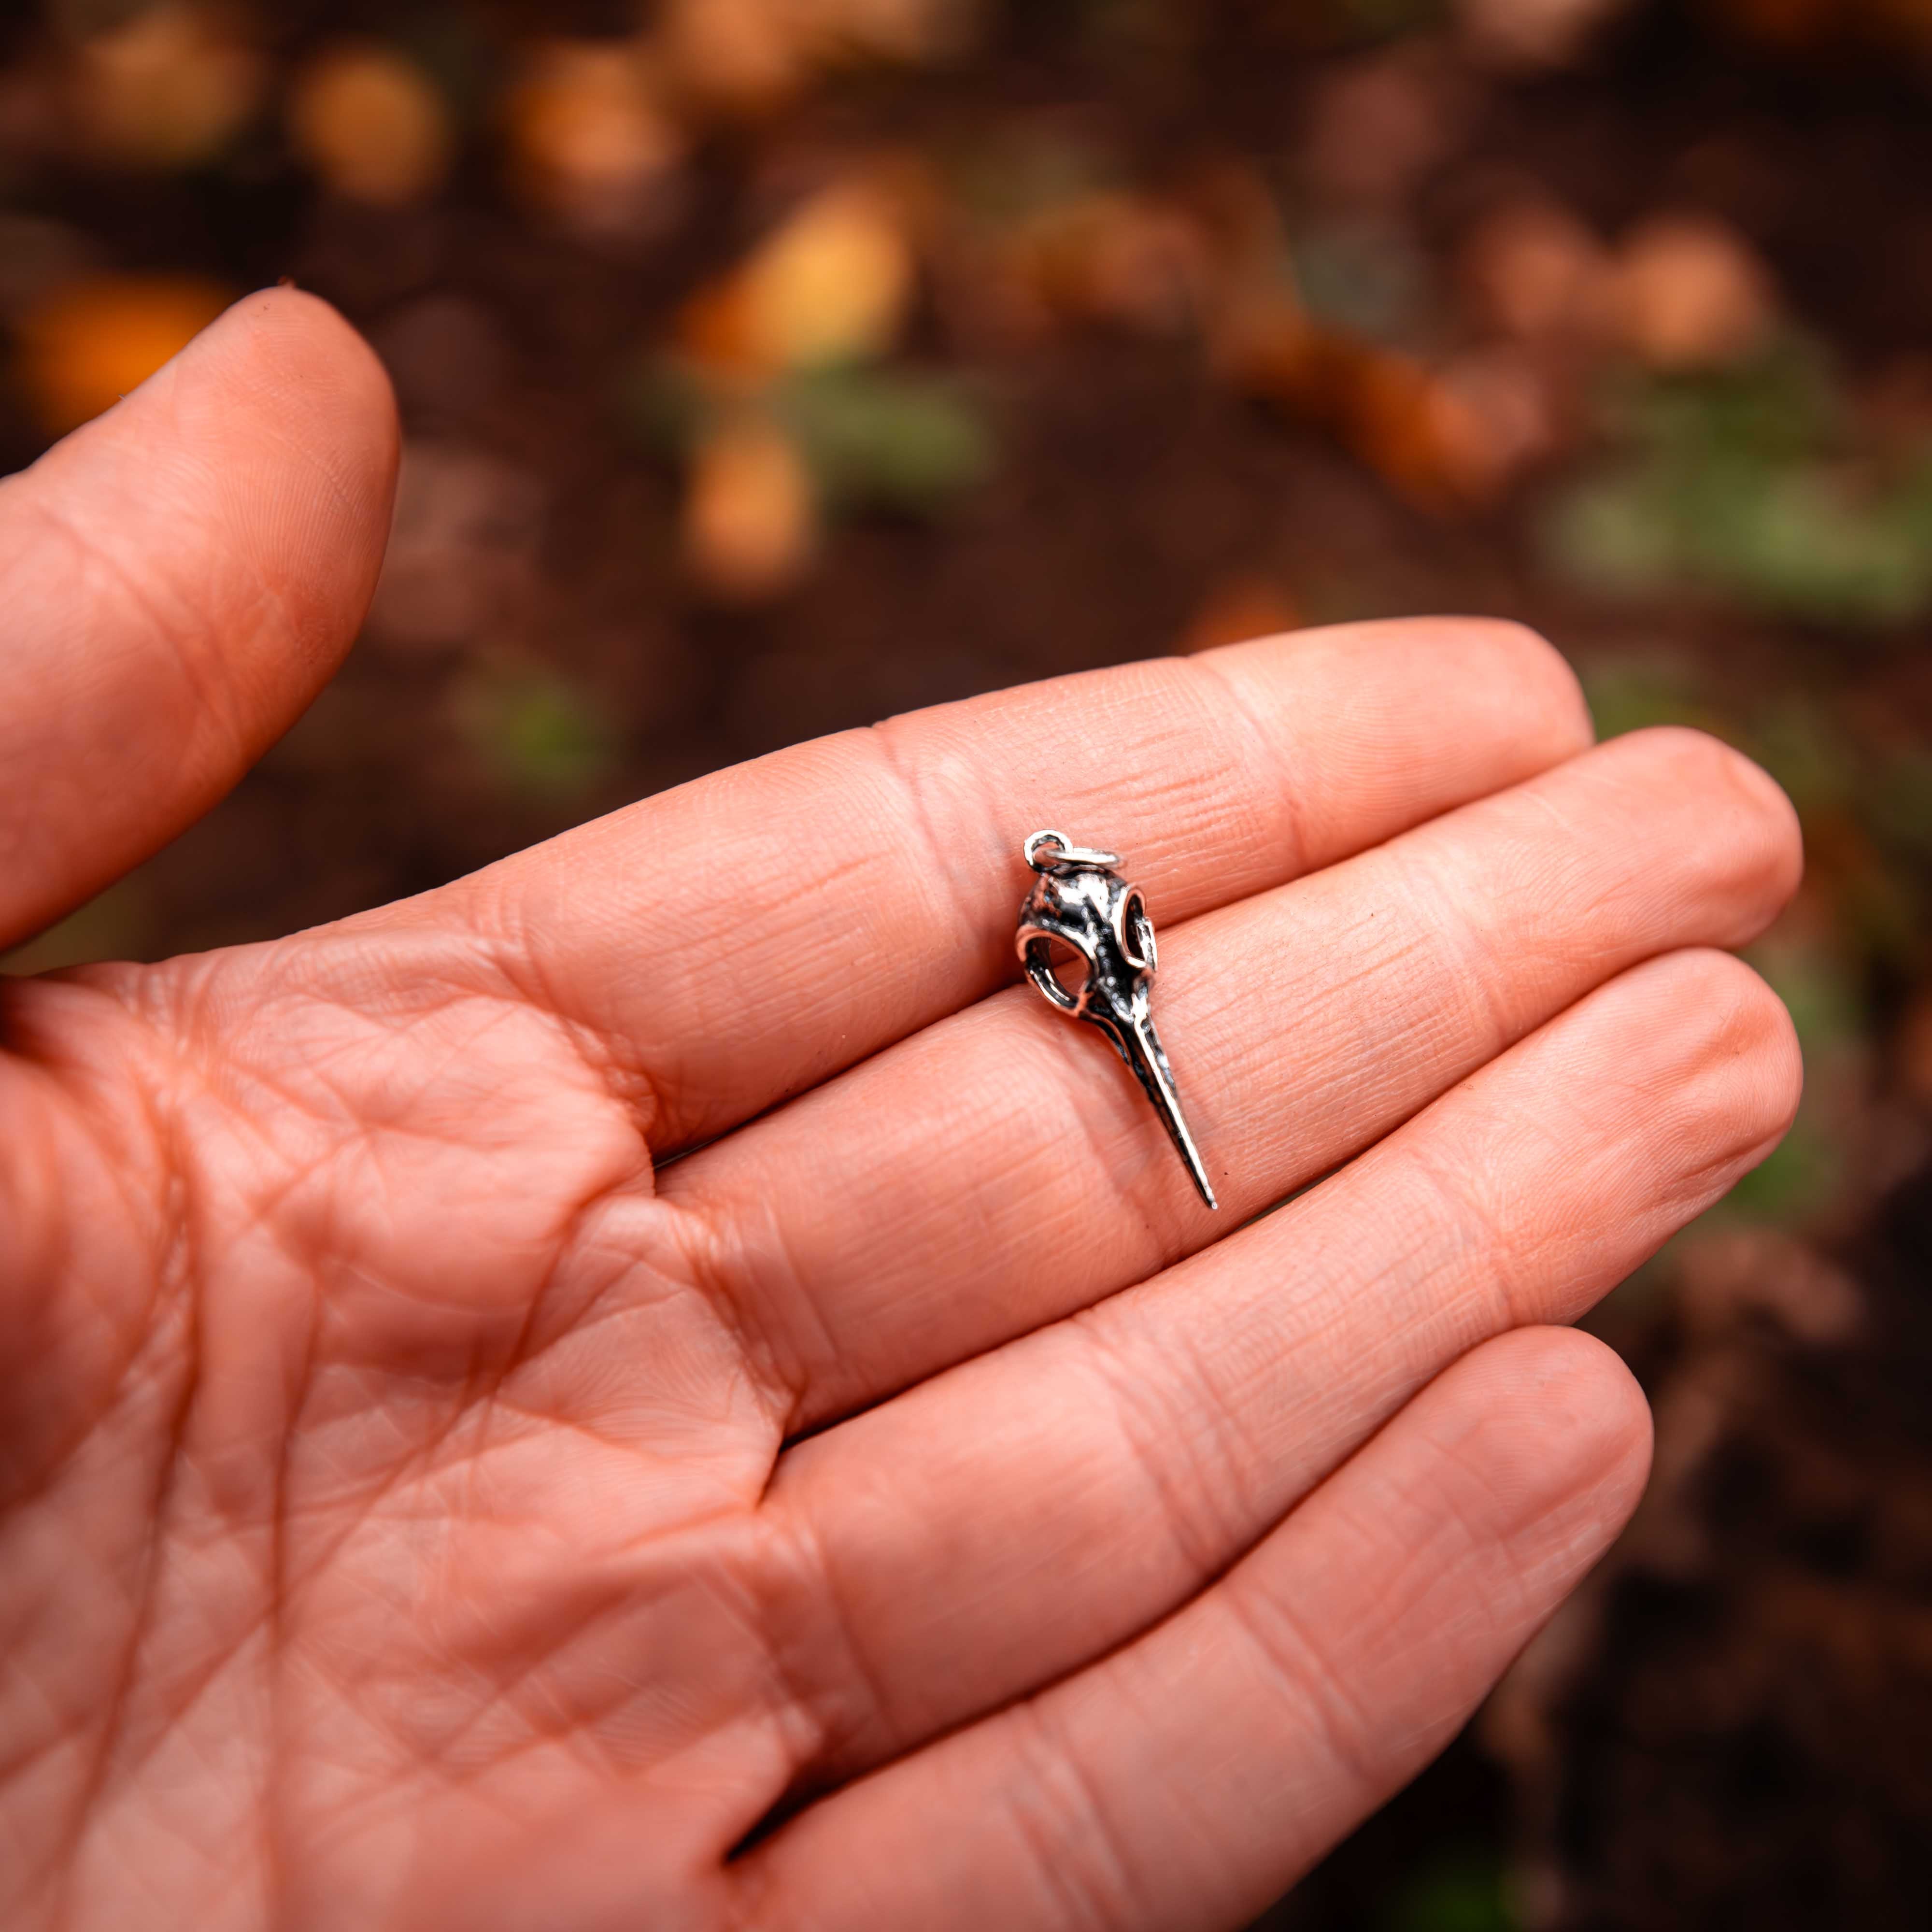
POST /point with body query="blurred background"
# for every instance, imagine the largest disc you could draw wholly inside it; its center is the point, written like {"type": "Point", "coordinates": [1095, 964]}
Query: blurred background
{"type": "Point", "coordinates": [769, 366]}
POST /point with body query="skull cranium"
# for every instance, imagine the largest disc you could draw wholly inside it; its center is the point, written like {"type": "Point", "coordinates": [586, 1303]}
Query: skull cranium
{"type": "Point", "coordinates": [1079, 904]}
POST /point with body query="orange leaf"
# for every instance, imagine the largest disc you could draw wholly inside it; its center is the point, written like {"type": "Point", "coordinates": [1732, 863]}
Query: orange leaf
{"type": "Point", "coordinates": [373, 125]}
{"type": "Point", "coordinates": [90, 342]}
{"type": "Point", "coordinates": [750, 520]}
{"type": "Point", "coordinates": [1237, 609]}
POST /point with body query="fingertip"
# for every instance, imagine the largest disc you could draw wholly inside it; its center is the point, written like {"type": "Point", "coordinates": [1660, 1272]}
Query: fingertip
{"type": "Point", "coordinates": [1744, 828]}
{"type": "Point", "coordinates": [1750, 1043]}
{"type": "Point", "coordinates": [1785, 865]}
{"type": "Point", "coordinates": [181, 574]}
{"type": "Point", "coordinates": [284, 335]}
{"type": "Point", "coordinates": [1524, 666]}
{"type": "Point", "coordinates": [285, 359]}
{"type": "Point", "coordinates": [283, 423]}
{"type": "Point", "coordinates": [278, 420]}
{"type": "Point", "coordinates": [1708, 1059]}
{"type": "Point", "coordinates": [280, 349]}
{"type": "Point", "coordinates": [1764, 805]}
{"type": "Point", "coordinates": [1561, 1430]}
{"type": "Point", "coordinates": [1511, 684]}
{"type": "Point", "coordinates": [296, 402]}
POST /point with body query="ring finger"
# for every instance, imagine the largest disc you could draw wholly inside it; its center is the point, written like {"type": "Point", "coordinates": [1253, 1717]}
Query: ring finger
{"type": "Point", "coordinates": [1001, 1169]}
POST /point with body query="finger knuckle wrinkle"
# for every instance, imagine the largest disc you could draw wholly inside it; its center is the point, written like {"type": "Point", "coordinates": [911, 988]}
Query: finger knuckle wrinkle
{"type": "Point", "coordinates": [1312, 1677]}
{"type": "Point", "coordinates": [825, 1686]}
{"type": "Point", "coordinates": [1170, 1428]}
{"type": "Point", "coordinates": [1061, 1817]}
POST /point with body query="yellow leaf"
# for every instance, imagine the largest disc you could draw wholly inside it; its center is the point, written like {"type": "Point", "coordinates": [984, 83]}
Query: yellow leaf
{"type": "Point", "coordinates": [832, 285]}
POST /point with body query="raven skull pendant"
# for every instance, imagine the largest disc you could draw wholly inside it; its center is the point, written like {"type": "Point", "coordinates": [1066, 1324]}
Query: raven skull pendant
{"type": "Point", "coordinates": [1079, 900]}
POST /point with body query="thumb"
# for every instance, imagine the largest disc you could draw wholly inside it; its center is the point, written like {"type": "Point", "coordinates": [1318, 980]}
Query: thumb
{"type": "Point", "coordinates": [178, 579]}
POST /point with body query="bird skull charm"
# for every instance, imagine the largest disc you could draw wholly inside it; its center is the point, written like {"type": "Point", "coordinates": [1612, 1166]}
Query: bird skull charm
{"type": "Point", "coordinates": [1079, 902]}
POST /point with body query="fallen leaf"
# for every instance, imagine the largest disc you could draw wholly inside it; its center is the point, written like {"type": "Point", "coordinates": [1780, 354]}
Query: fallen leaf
{"type": "Point", "coordinates": [885, 439]}
{"type": "Point", "coordinates": [590, 136]}
{"type": "Point", "coordinates": [1532, 270]}
{"type": "Point", "coordinates": [832, 284]}
{"type": "Point", "coordinates": [91, 341]}
{"type": "Point", "coordinates": [1409, 427]}
{"type": "Point", "coordinates": [1499, 417]}
{"type": "Point", "coordinates": [372, 124]}
{"type": "Point", "coordinates": [533, 731]}
{"type": "Point", "coordinates": [899, 30]}
{"type": "Point", "coordinates": [1237, 608]}
{"type": "Point", "coordinates": [1114, 258]}
{"type": "Point", "coordinates": [739, 57]}
{"type": "Point", "coordinates": [1375, 127]}
{"type": "Point", "coordinates": [169, 88]}
{"type": "Point", "coordinates": [748, 57]}
{"type": "Point", "coordinates": [1688, 291]}
{"type": "Point", "coordinates": [750, 519]}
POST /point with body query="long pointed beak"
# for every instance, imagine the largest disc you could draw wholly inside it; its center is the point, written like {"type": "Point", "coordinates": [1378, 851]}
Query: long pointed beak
{"type": "Point", "coordinates": [1142, 1052]}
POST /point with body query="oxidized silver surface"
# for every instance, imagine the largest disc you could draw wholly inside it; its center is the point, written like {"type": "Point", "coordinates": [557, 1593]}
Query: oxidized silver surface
{"type": "Point", "coordinates": [1079, 900]}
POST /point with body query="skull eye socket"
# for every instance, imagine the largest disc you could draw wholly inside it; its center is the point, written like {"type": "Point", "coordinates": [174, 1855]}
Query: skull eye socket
{"type": "Point", "coordinates": [1136, 934]}
{"type": "Point", "coordinates": [1059, 969]}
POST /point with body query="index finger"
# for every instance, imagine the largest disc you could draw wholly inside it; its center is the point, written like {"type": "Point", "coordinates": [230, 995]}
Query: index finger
{"type": "Point", "coordinates": [744, 937]}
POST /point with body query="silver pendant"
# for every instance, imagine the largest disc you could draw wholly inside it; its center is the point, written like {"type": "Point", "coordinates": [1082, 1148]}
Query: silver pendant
{"type": "Point", "coordinates": [1079, 902]}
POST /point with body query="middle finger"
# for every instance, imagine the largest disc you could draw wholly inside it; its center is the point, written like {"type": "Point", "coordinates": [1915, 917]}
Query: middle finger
{"type": "Point", "coordinates": [1001, 1169]}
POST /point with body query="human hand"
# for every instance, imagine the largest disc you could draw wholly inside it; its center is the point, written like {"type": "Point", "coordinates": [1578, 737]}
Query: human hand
{"type": "Point", "coordinates": [421, 1505]}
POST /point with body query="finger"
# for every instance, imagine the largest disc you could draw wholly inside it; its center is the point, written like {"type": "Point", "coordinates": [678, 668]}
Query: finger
{"type": "Point", "coordinates": [1003, 1169]}
{"type": "Point", "coordinates": [1191, 1778]}
{"type": "Point", "coordinates": [745, 936]}
{"type": "Point", "coordinates": [179, 578]}
{"type": "Point", "coordinates": [1002, 1525]}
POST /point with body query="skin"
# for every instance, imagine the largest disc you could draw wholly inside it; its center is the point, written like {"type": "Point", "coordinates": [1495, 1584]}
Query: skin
{"type": "Point", "coordinates": [427, 1499]}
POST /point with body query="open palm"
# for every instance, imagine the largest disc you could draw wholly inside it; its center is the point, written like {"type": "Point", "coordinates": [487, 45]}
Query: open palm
{"type": "Point", "coordinates": [657, 1387]}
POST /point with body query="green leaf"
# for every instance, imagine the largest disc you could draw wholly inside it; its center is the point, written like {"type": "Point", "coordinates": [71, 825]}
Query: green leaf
{"type": "Point", "coordinates": [1745, 484]}
{"type": "Point", "coordinates": [535, 731]}
{"type": "Point", "coordinates": [879, 439]}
